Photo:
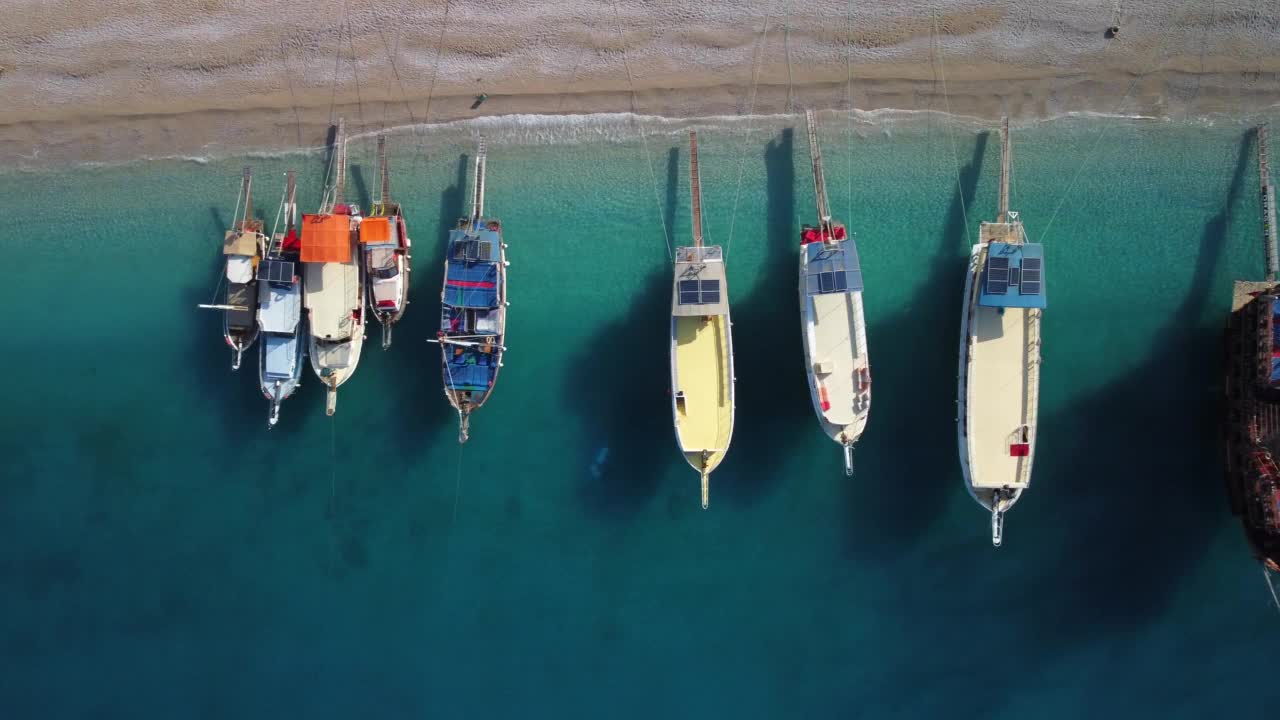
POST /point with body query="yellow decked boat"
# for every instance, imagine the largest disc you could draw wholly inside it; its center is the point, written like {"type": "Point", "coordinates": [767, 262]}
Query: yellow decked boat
{"type": "Point", "coordinates": [701, 348]}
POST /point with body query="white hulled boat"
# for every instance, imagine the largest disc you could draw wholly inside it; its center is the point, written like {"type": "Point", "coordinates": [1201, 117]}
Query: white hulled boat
{"type": "Point", "coordinates": [333, 289]}
{"type": "Point", "coordinates": [384, 238]}
{"type": "Point", "coordinates": [831, 317]}
{"type": "Point", "coordinates": [999, 378]}
{"type": "Point", "coordinates": [280, 310]}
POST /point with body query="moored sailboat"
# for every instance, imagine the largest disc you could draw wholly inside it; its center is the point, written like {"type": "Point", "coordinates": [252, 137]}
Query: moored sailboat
{"type": "Point", "coordinates": [831, 318]}
{"type": "Point", "coordinates": [333, 290]}
{"type": "Point", "coordinates": [385, 240]}
{"type": "Point", "coordinates": [999, 376]}
{"type": "Point", "coordinates": [242, 247]}
{"type": "Point", "coordinates": [280, 310]}
{"type": "Point", "coordinates": [701, 347]}
{"type": "Point", "coordinates": [473, 315]}
{"type": "Point", "coordinates": [1251, 421]}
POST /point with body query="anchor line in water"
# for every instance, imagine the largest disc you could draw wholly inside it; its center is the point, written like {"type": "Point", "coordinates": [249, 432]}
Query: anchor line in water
{"type": "Point", "coordinates": [758, 61]}
{"type": "Point", "coordinates": [1266, 575]}
{"type": "Point", "coordinates": [337, 63]}
{"type": "Point", "coordinates": [951, 130]}
{"type": "Point", "coordinates": [1093, 151]}
{"type": "Point", "coordinates": [644, 138]}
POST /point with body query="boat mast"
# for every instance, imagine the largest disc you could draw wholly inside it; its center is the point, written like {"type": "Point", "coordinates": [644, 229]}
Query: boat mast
{"type": "Point", "coordinates": [819, 181]}
{"type": "Point", "coordinates": [477, 191]}
{"type": "Point", "coordinates": [1006, 160]}
{"type": "Point", "coordinates": [1268, 204]}
{"type": "Point", "coordinates": [290, 206]}
{"type": "Point", "coordinates": [695, 189]}
{"type": "Point", "coordinates": [340, 165]}
{"type": "Point", "coordinates": [246, 187]}
{"type": "Point", "coordinates": [385, 196]}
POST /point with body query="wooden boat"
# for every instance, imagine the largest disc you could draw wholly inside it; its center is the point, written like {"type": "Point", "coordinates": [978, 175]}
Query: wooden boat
{"type": "Point", "coordinates": [831, 319]}
{"type": "Point", "coordinates": [280, 310]}
{"type": "Point", "coordinates": [999, 377]}
{"type": "Point", "coordinates": [333, 289]}
{"type": "Point", "coordinates": [242, 247]}
{"type": "Point", "coordinates": [385, 241]}
{"type": "Point", "coordinates": [473, 313]}
{"type": "Point", "coordinates": [1251, 422]}
{"type": "Point", "coordinates": [702, 381]}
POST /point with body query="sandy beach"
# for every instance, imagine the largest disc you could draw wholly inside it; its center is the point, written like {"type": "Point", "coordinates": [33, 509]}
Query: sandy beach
{"type": "Point", "coordinates": [107, 81]}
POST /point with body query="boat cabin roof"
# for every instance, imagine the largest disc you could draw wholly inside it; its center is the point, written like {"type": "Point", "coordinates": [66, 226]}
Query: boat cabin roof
{"type": "Point", "coordinates": [331, 291]}
{"type": "Point", "coordinates": [1013, 276]}
{"type": "Point", "coordinates": [699, 288]}
{"type": "Point", "coordinates": [379, 231]}
{"type": "Point", "coordinates": [240, 243]}
{"type": "Point", "coordinates": [832, 268]}
{"type": "Point", "coordinates": [471, 275]}
{"type": "Point", "coordinates": [279, 306]}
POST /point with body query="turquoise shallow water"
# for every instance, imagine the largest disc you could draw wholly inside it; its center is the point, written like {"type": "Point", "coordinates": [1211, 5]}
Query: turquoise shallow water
{"type": "Point", "coordinates": [166, 556]}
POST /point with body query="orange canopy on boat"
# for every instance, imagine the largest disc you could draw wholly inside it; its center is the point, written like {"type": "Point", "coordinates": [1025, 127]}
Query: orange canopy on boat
{"type": "Point", "coordinates": [326, 238]}
{"type": "Point", "coordinates": [375, 230]}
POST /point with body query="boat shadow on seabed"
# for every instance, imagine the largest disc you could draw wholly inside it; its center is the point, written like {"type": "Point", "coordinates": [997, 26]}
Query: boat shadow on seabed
{"type": "Point", "coordinates": [772, 390]}
{"type": "Point", "coordinates": [910, 443]}
{"type": "Point", "coordinates": [1142, 488]}
{"type": "Point", "coordinates": [628, 419]}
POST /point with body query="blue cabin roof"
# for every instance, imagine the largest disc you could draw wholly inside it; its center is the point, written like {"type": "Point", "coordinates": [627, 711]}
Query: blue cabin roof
{"type": "Point", "coordinates": [470, 369]}
{"type": "Point", "coordinates": [1013, 276]}
{"type": "Point", "coordinates": [472, 276]}
{"type": "Point", "coordinates": [832, 269]}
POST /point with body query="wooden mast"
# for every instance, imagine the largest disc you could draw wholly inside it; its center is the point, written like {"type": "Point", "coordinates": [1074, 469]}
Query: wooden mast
{"type": "Point", "coordinates": [1268, 204]}
{"type": "Point", "coordinates": [246, 187]}
{"type": "Point", "coordinates": [819, 181]}
{"type": "Point", "coordinates": [340, 165]}
{"type": "Point", "coordinates": [695, 189]}
{"type": "Point", "coordinates": [1006, 160]}
{"type": "Point", "coordinates": [290, 194]}
{"type": "Point", "coordinates": [385, 196]}
{"type": "Point", "coordinates": [477, 191]}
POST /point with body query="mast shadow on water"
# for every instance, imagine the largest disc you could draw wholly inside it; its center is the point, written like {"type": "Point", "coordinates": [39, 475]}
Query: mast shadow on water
{"type": "Point", "coordinates": [628, 421]}
{"type": "Point", "coordinates": [772, 391]}
{"type": "Point", "coordinates": [906, 466]}
{"type": "Point", "coordinates": [362, 189]}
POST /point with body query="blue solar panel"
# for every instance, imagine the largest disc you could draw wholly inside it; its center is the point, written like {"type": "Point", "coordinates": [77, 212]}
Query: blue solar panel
{"type": "Point", "coordinates": [710, 292]}
{"type": "Point", "coordinates": [997, 275]}
{"type": "Point", "coordinates": [280, 271]}
{"type": "Point", "coordinates": [1030, 288]}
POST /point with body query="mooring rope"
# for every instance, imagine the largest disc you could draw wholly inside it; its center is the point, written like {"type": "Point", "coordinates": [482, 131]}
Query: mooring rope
{"type": "Point", "coordinates": [758, 60]}
{"type": "Point", "coordinates": [955, 155]}
{"type": "Point", "coordinates": [644, 138]}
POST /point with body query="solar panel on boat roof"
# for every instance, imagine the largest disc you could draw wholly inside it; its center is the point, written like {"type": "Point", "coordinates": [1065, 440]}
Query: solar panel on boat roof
{"type": "Point", "coordinates": [688, 292]}
{"type": "Point", "coordinates": [275, 271]}
{"type": "Point", "coordinates": [1031, 276]}
{"type": "Point", "coordinates": [710, 292]}
{"type": "Point", "coordinates": [997, 275]}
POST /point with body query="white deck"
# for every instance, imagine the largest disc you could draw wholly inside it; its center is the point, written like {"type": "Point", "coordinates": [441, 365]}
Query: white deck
{"type": "Point", "coordinates": [331, 294]}
{"type": "Point", "coordinates": [1001, 376]}
{"type": "Point", "coordinates": [836, 350]}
